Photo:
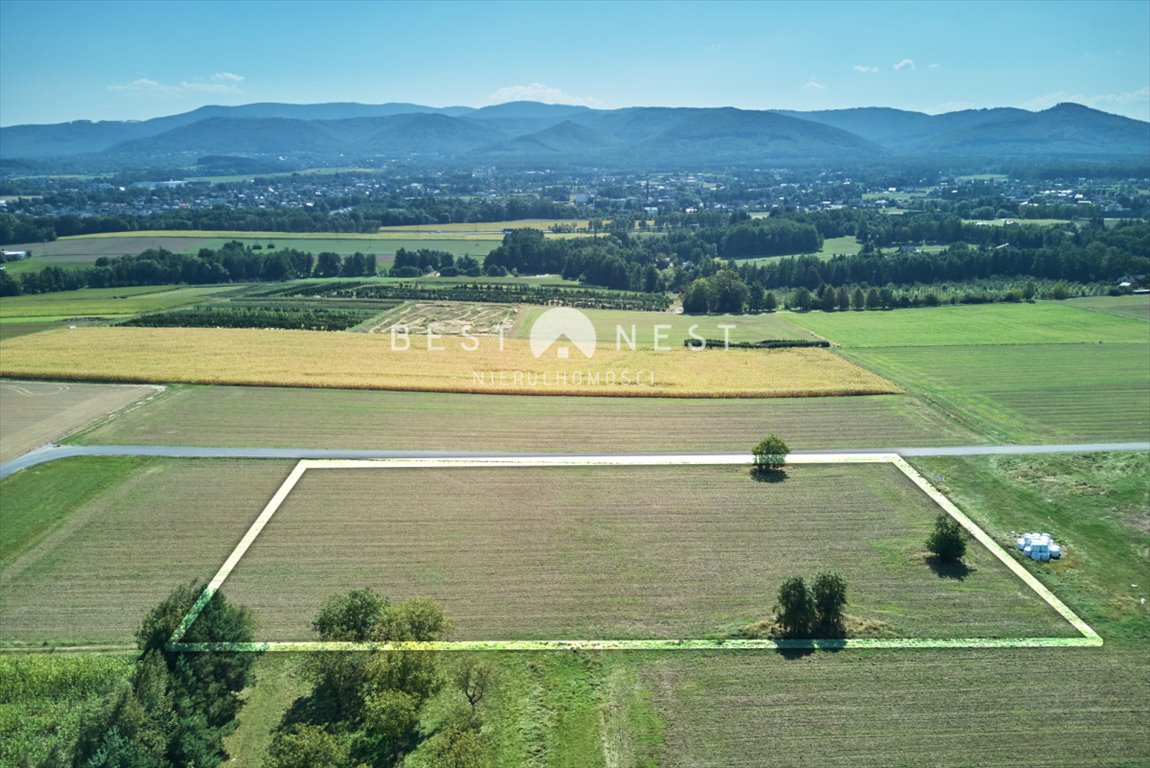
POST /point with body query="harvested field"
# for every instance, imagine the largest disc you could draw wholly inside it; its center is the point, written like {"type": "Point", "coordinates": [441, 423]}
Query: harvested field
{"type": "Point", "coordinates": [884, 709]}
{"type": "Point", "coordinates": [621, 552]}
{"type": "Point", "coordinates": [337, 418]}
{"type": "Point", "coordinates": [451, 318]}
{"type": "Point", "coordinates": [113, 557]}
{"type": "Point", "coordinates": [303, 358]}
{"type": "Point", "coordinates": [1057, 393]}
{"type": "Point", "coordinates": [36, 412]}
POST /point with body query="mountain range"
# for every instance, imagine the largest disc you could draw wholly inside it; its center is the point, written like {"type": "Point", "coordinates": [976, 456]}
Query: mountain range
{"type": "Point", "coordinates": [530, 133]}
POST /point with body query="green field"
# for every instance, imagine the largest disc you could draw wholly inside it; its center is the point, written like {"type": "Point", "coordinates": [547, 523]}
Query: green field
{"type": "Point", "coordinates": [1061, 393]}
{"type": "Point", "coordinates": [88, 303]}
{"type": "Point", "coordinates": [1039, 323]}
{"type": "Point", "coordinates": [246, 416]}
{"type": "Point", "coordinates": [43, 697]}
{"type": "Point", "coordinates": [1123, 306]}
{"type": "Point", "coordinates": [121, 539]}
{"type": "Point", "coordinates": [1098, 505]}
{"type": "Point", "coordinates": [83, 251]}
{"type": "Point", "coordinates": [832, 246]}
{"type": "Point", "coordinates": [606, 321]}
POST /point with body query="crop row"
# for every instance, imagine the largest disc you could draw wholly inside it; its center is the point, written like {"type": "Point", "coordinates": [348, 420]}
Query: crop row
{"type": "Point", "coordinates": [287, 317]}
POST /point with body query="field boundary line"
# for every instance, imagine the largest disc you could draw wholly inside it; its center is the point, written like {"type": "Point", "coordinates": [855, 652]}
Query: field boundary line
{"type": "Point", "coordinates": [1088, 638]}
{"type": "Point", "coordinates": [985, 539]}
{"type": "Point", "coordinates": [234, 558]}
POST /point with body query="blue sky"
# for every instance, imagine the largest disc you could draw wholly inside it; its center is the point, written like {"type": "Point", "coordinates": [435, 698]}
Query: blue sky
{"type": "Point", "coordinates": [134, 60]}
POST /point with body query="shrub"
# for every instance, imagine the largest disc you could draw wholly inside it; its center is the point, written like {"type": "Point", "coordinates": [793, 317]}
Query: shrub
{"type": "Point", "coordinates": [770, 454]}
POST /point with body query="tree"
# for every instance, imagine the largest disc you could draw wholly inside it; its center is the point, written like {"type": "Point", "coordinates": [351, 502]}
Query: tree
{"type": "Point", "coordinates": [858, 301]}
{"type": "Point", "coordinates": [842, 299]}
{"type": "Point", "coordinates": [828, 300]}
{"type": "Point", "coordinates": [328, 264]}
{"type": "Point", "coordinates": [307, 746]}
{"type": "Point", "coordinates": [770, 454]}
{"type": "Point", "coordinates": [948, 540]}
{"type": "Point", "coordinates": [770, 303]}
{"type": "Point", "coordinates": [353, 617]}
{"type": "Point", "coordinates": [178, 706]}
{"type": "Point", "coordinates": [872, 299]}
{"type": "Point", "coordinates": [795, 611]}
{"type": "Point", "coordinates": [473, 677]}
{"type": "Point", "coordinates": [830, 595]}
{"type": "Point", "coordinates": [800, 300]}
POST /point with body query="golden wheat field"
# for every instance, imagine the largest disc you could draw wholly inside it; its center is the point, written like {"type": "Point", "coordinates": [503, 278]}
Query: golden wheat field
{"type": "Point", "coordinates": [366, 361]}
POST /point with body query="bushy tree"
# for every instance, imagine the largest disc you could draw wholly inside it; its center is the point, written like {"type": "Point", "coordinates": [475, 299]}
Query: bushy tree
{"type": "Point", "coordinates": [770, 454]}
{"type": "Point", "coordinates": [948, 540]}
{"type": "Point", "coordinates": [308, 746]}
{"type": "Point", "coordinates": [830, 595]}
{"type": "Point", "coordinates": [795, 611]}
{"type": "Point", "coordinates": [178, 706]}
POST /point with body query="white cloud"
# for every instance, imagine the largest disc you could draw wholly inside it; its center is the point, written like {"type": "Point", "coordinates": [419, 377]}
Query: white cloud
{"type": "Point", "coordinates": [223, 82]}
{"type": "Point", "coordinates": [815, 85]}
{"type": "Point", "coordinates": [539, 92]}
{"type": "Point", "coordinates": [935, 66]}
{"type": "Point", "coordinates": [905, 64]}
{"type": "Point", "coordinates": [865, 69]}
{"type": "Point", "coordinates": [143, 84]}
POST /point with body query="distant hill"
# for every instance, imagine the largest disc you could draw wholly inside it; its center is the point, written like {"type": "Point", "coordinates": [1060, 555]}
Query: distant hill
{"type": "Point", "coordinates": [1070, 130]}
{"type": "Point", "coordinates": [526, 133]}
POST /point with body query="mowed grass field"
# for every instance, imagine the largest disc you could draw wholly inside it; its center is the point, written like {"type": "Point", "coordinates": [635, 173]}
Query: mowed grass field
{"type": "Point", "coordinates": [116, 537]}
{"type": "Point", "coordinates": [1123, 306]}
{"type": "Point", "coordinates": [880, 708]}
{"type": "Point", "coordinates": [340, 418]}
{"type": "Point", "coordinates": [1039, 323]}
{"type": "Point", "coordinates": [832, 246]}
{"type": "Point", "coordinates": [1059, 393]}
{"type": "Point", "coordinates": [621, 552]}
{"type": "Point", "coordinates": [36, 412]}
{"type": "Point", "coordinates": [954, 708]}
{"type": "Point", "coordinates": [1044, 372]}
{"type": "Point", "coordinates": [303, 358]}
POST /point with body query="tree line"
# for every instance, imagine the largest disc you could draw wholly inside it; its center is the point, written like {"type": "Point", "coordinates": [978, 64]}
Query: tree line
{"type": "Point", "coordinates": [363, 710]}
{"type": "Point", "coordinates": [233, 262]}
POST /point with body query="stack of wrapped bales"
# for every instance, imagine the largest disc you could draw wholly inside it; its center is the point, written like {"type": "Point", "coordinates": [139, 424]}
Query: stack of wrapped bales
{"type": "Point", "coordinates": [1039, 546]}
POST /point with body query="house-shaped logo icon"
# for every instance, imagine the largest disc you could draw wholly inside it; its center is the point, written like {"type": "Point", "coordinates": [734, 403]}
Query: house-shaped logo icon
{"type": "Point", "coordinates": [563, 328]}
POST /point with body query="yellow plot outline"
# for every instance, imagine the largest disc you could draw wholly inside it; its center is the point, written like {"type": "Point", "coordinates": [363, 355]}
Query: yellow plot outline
{"type": "Point", "coordinates": [1088, 638]}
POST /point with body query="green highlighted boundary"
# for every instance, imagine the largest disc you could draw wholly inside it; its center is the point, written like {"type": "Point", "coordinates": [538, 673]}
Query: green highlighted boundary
{"type": "Point", "coordinates": [1089, 638]}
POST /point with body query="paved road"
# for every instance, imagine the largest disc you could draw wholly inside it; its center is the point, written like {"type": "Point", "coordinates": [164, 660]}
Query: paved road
{"type": "Point", "coordinates": [55, 452]}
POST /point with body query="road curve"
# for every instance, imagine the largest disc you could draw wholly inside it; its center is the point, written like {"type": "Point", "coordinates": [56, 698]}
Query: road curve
{"type": "Point", "coordinates": [55, 452]}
